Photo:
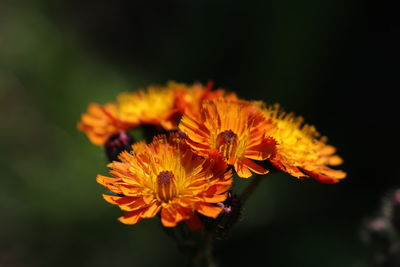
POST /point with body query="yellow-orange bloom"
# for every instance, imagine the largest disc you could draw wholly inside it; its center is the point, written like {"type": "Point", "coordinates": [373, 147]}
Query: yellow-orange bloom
{"type": "Point", "coordinates": [166, 177]}
{"type": "Point", "coordinates": [188, 99]}
{"type": "Point", "coordinates": [236, 129]}
{"type": "Point", "coordinates": [300, 150]}
{"type": "Point", "coordinates": [155, 105]}
{"type": "Point", "coordinates": [100, 122]}
{"type": "Point", "coordinates": [165, 106]}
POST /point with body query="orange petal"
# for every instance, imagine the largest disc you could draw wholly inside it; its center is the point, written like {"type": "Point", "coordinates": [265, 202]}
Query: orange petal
{"type": "Point", "coordinates": [262, 151]}
{"type": "Point", "coordinates": [151, 211]}
{"type": "Point", "coordinates": [167, 219]}
{"type": "Point", "coordinates": [148, 198]}
{"type": "Point", "coordinates": [109, 183]}
{"type": "Point", "coordinates": [208, 209]}
{"type": "Point", "coordinates": [212, 190]}
{"type": "Point", "coordinates": [242, 170]}
{"type": "Point", "coordinates": [99, 122]}
{"type": "Point", "coordinates": [182, 213]}
{"type": "Point", "coordinates": [328, 150]}
{"type": "Point", "coordinates": [222, 187]}
{"type": "Point", "coordinates": [131, 217]}
{"type": "Point", "coordinates": [194, 223]}
{"type": "Point", "coordinates": [117, 200]}
{"type": "Point", "coordinates": [195, 130]}
{"type": "Point", "coordinates": [137, 204]}
{"type": "Point", "coordinates": [253, 166]}
{"type": "Point", "coordinates": [98, 140]}
{"type": "Point", "coordinates": [169, 125]}
{"type": "Point", "coordinates": [184, 202]}
{"type": "Point", "coordinates": [215, 198]}
{"type": "Point", "coordinates": [335, 160]}
{"type": "Point", "coordinates": [324, 178]}
{"type": "Point", "coordinates": [131, 191]}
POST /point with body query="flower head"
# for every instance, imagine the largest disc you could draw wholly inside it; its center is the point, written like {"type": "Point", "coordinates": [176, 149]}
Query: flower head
{"type": "Point", "coordinates": [160, 106]}
{"type": "Point", "coordinates": [236, 129]}
{"type": "Point", "coordinates": [189, 99]}
{"type": "Point", "coordinates": [300, 151]}
{"type": "Point", "coordinates": [100, 122]}
{"type": "Point", "coordinates": [155, 105]}
{"type": "Point", "coordinates": [166, 177]}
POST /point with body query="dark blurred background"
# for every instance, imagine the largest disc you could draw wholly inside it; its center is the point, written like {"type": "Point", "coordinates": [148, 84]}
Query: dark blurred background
{"type": "Point", "coordinates": [334, 62]}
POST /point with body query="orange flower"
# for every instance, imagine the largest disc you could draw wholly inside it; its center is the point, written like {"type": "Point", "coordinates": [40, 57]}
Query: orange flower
{"type": "Point", "coordinates": [152, 106]}
{"type": "Point", "coordinates": [188, 99]}
{"type": "Point", "coordinates": [166, 177]}
{"type": "Point", "coordinates": [236, 129]}
{"type": "Point", "coordinates": [156, 105]}
{"type": "Point", "coordinates": [100, 122]}
{"type": "Point", "coordinates": [166, 105]}
{"type": "Point", "coordinates": [300, 150]}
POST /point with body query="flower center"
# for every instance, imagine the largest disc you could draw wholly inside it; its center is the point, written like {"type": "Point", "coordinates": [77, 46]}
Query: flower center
{"type": "Point", "coordinates": [164, 177]}
{"type": "Point", "coordinates": [226, 137]}
{"type": "Point", "coordinates": [227, 142]}
{"type": "Point", "coordinates": [166, 189]}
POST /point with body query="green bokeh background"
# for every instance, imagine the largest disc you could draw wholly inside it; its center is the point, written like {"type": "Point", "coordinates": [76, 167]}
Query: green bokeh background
{"type": "Point", "coordinates": [329, 61]}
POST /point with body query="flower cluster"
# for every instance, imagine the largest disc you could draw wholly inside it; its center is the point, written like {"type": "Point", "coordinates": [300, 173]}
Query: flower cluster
{"type": "Point", "coordinates": [210, 136]}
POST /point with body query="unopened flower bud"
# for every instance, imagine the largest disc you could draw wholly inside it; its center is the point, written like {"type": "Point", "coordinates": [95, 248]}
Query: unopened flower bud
{"type": "Point", "coordinates": [117, 143]}
{"type": "Point", "coordinates": [149, 131]}
{"type": "Point", "coordinates": [378, 234]}
{"type": "Point", "coordinates": [379, 229]}
{"type": "Point", "coordinates": [381, 237]}
{"type": "Point", "coordinates": [229, 216]}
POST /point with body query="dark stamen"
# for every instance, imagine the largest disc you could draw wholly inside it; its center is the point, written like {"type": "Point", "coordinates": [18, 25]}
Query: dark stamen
{"type": "Point", "coordinates": [227, 136]}
{"type": "Point", "coordinates": [164, 177]}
